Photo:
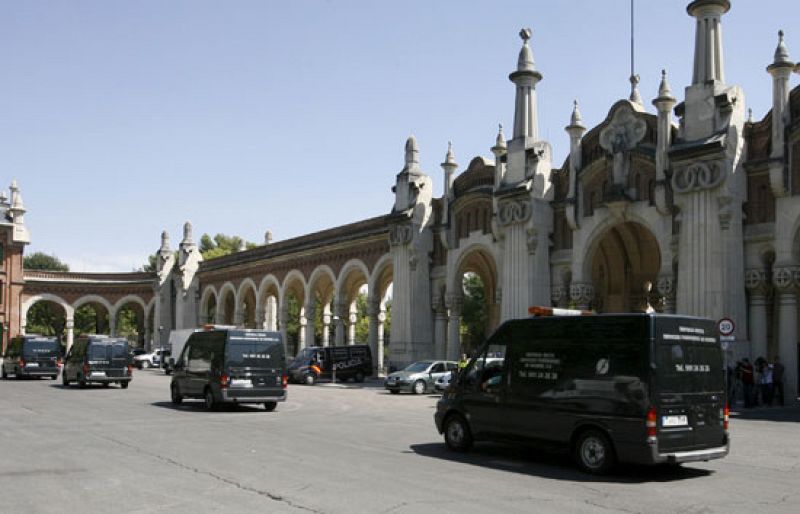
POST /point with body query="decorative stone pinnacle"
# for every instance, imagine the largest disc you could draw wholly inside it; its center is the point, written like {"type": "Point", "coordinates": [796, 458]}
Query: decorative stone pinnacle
{"type": "Point", "coordinates": [750, 115]}
{"type": "Point", "coordinates": [576, 114]}
{"type": "Point", "coordinates": [268, 237]}
{"type": "Point", "coordinates": [525, 61]}
{"type": "Point", "coordinates": [635, 96]}
{"type": "Point", "coordinates": [781, 52]}
{"type": "Point", "coordinates": [412, 152]}
{"type": "Point", "coordinates": [164, 241]}
{"type": "Point", "coordinates": [187, 233]}
{"type": "Point", "coordinates": [449, 160]}
{"type": "Point", "coordinates": [500, 142]}
{"type": "Point", "coordinates": [525, 34]}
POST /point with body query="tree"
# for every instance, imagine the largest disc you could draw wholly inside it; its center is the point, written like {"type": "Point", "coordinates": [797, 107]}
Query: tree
{"type": "Point", "coordinates": [474, 317]}
{"type": "Point", "coordinates": [42, 261]}
{"type": "Point", "coordinates": [221, 245]}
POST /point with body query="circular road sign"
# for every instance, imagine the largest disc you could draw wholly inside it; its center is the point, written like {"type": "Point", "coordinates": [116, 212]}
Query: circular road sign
{"type": "Point", "coordinates": [726, 326]}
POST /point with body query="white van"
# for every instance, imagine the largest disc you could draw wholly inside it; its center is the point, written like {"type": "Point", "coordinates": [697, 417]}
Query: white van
{"type": "Point", "coordinates": [177, 340]}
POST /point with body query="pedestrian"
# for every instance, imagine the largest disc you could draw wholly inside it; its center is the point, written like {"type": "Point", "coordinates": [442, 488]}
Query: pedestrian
{"type": "Point", "coordinates": [765, 383]}
{"type": "Point", "coordinates": [462, 363]}
{"type": "Point", "coordinates": [777, 380]}
{"type": "Point", "coordinates": [747, 382]}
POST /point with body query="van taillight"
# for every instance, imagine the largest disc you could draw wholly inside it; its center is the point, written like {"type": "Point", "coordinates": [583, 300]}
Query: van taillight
{"type": "Point", "coordinates": [726, 414]}
{"type": "Point", "coordinates": [651, 423]}
{"type": "Point", "coordinates": [85, 369]}
{"type": "Point", "coordinates": [285, 381]}
{"type": "Point", "coordinates": [224, 381]}
{"type": "Point", "coordinates": [130, 370]}
{"type": "Point", "coordinates": [22, 362]}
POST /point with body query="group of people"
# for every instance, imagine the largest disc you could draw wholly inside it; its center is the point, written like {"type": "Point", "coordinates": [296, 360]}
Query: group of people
{"type": "Point", "coordinates": [756, 383]}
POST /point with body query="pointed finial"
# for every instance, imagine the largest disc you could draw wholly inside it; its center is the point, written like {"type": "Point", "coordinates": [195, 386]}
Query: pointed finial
{"type": "Point", "coordinates": [164, 242]}
{"type": "Point", "coordinates": [242, 245]}
{"type": "Point", "coordinates": [187, 233]}
{"type": "Point", "coordinates": [525, 34]}
{"type": "Point", "coordinates": [635, 96]}
{"type": "Point", "coordinates": [781, 52]}
{"type": "Point", "coordinates": [412, 152]}
{"type": "Point", "coordinates": [525, 60]}
{"type": "Point", "coordinates": [750, 115]}
{"type": "Point", "coordinates": [268, 237]}
{"type": "Point", "coordinates": [576, 119]}
{"type": "Point", "coordinates": [501, 138]}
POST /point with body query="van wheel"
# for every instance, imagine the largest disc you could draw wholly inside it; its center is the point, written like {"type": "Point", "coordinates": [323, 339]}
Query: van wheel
{"type": "Point", "coordinates": [359, 377]}
{"type": "Point", "coordinates": [270, 406]}
{"type": "Point", "coordinates": [106, 384]}
{"type": "Point", "coordinates": [124, 385]}
{"type": "Point", "coordinates": [394, 391]}
{"type": "Point", "coordinates": [145, 364]}
{"type": "Point", "coordinates": [594, 452]}
{"type": "Point", "coordinates": [419, 387]}
{"type": "Point", "coordinates": [175, 395]}
{"type": "Point", "coordinates": [457, 434]}
{"type": "Point", "coordinates": [82, 383]}
{"type": "Point", "coordinates": [54, 377]}
{"type": "Point", "coordinates": [5, 375]}
{"type": "Point", "coordinates": [309, 379]}
{"type": "Point", "coordinates": [208, 400]}
{"type": "Point", "coordinates": [64, 380]}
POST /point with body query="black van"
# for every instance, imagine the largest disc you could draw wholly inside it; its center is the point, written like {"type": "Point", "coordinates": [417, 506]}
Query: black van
{"type": "Point", "coordinates": [231, 366]}
{"type": "Point", "coordinates": [32, 356]}
{"type": "Point", "coordinates": [319, 362]}
{"type": "Point", "coordinates": [642, 388]}
{"type": "Point", "coordinates": [98, 359]}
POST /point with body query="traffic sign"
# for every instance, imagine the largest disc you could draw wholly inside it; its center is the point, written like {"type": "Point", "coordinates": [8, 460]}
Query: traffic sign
{"type": "Point", "coordinates": [726, 326]}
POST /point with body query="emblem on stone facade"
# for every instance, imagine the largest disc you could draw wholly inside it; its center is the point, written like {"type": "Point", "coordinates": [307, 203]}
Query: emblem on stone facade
{"type": "Point", "coordinates": [783, 278]}
{"type": "Point", "coordinates": [556, 294]}
{"type": "Point", "coordinates": [513, 211]}
{"type": "Point", "coordinates": [697, 176]}
{"type": "Point", "coordinates": [620, 137]}
{"type": "Point", "coordinates": [754, 280]}
{"type": "Point", "coordinates": [581, 294]}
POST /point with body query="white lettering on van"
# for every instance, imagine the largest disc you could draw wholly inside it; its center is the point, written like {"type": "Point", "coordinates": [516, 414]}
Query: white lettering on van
{"type": "Point", "coordinates": [691, 330]}
{"type": "Point", "coordinates": [693, 368]}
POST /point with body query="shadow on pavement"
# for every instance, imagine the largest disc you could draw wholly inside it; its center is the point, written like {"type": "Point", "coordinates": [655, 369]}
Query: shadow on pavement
{"type": "Point", "coordinates": [790, 414]}
{"type": "Point", "coordinates": [554, 464]}
{"type": "Point", "coordinates": [199, 407]}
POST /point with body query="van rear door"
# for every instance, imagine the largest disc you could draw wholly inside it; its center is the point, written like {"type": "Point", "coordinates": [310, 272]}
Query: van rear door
{"type": "Point", "coordinates": [41, 354]}
{"type": "Point", "coordinates": [690, 384]}
{"type": "Point", "coordinates": [254, 360]}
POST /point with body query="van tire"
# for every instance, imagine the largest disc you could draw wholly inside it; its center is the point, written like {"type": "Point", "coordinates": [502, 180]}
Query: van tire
{"type": "Point", "coordinates": [309, 379]}
{"type": "Point", "coordinates": [359, 377]}
{"type": "Point", "coordinates": [82, 383]}
{"type": "Point", "coordinates": [5, 375]}
{"type": "Point", "coordinates": [270, 406]}
{"type": "Point", "coordinates": [457, 434]}
{"type": "Point", "coordinates": [146, 364]}
{"type": "Point", "coordinates": [394, 391]}
{"type": "Point", "coordinates": [208, 400]}
{"type": "Point", "coordinates": [175, 396]}
{"type": "Point", "coordinates": [594, 453]}
{"type": "Point", "coordinates": [64, 380]}
{"type": "Point", "coordinates": [419, 387]}
{"type": "Point", "coordinates": [124, 385]}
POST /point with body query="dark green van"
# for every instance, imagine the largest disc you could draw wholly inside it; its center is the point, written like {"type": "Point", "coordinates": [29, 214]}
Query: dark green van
{"type": "Point", "coordinates": [32, 356]}
{"type": "Point", "coordinates": [223, 365]}
{"type": "Point", "coordinates": [642, 388]}
{"type": "Point", "coordinates": [98, 359]}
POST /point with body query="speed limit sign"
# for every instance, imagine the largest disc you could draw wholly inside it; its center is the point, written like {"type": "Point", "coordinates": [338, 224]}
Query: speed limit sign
{"type": "Point", "coordinates": [726, 326]}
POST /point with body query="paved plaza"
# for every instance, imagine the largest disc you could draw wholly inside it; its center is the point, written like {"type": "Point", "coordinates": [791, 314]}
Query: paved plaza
{"type": "Point", "coordinates": [339, 448]}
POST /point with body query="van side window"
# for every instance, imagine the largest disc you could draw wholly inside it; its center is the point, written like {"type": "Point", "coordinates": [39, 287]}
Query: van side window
{"type": "Point", "coordinates": [200, 356]}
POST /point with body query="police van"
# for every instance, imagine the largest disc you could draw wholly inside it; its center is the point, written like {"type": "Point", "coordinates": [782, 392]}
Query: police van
{"type": "Point", "coordinates": [32, 356]}
{"type": "Point", "coordinates": [641, 388]}
{"type": "Point", "coordinates": [314, 363]}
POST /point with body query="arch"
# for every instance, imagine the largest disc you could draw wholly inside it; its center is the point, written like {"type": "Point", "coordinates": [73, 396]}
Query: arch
{"type": "Point", "coordinates": [226, 304]}
{"type": "Point", "coordinates": [131, 298]}
{"type": "Point", "coordinates": [140, 309]}
{"type": "Point", "coordinates": [69, 311]}
{"type": "Point", "coordinates": [101, 325]}
{"type": "Point", "coordinates": [381, 278]}
{"type": "Point", "coordinates": [208, 305]}
{"type": "Point", "coordinates": [246, 299]}
{"type": "Point", "coordinates": [620, 260]}
{"type": "Point", "coordinates": [269, 293]}
{"type": "Point", "coordinates": [479, 259]}
{"type": "Point", "coordinates": [93, 298]}
{"type": "Point", "coordinates": [294, 282]}
{"type": "Point", "coordinates": [293, 322]}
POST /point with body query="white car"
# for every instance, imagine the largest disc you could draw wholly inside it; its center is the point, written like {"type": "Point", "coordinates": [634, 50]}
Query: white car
{"type": "Point", "coordinates": [149, 360]}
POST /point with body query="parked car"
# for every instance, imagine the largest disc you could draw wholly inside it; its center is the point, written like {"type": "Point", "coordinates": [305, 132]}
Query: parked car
{"type": "Point", "coordinates": [231, 366]}
{"type": "Point", "coordinates": [419, 377]}
{"type": "Point", "coordinates": [98, 359]}
{"type": "Point", "coordinates": [149, 360]}
{"type": "Point", "coordinates": [32, 356]}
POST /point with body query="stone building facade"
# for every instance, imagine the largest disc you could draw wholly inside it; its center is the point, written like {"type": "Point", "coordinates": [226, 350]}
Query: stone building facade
{"type": "Point", "coordinates": [693, 209]}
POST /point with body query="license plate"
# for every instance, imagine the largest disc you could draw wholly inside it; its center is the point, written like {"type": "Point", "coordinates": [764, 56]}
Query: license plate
{"type": "Point", "coordinates": [98, 374]}
{"type": "Point", "coordinates": [674, 421]}
{"type": "Point", "coordinates": [240, 382]}
{"type": "Point", "coordinates": [32, 365]}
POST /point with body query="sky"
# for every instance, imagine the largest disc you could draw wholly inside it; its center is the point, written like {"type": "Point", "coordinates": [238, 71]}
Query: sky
{"type": "Point", "coordinates": [120, 119]}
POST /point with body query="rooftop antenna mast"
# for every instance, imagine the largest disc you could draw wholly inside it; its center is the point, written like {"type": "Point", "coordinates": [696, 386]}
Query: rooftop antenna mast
{"type": "Point", "coordinates": [635, 96]}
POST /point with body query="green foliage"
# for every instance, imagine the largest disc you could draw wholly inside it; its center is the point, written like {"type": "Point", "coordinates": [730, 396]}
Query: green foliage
{"type": "Point", "coordinates": [150, 267]}
{"type": "Point", "coordinates": [46, 318]}
{"type": "Point", "coordinates": [293, 323]}
{"type": "Point", "coordinates": [42, 261]}
{"type": "Point", "coordinates": [88, 321]}
{"type": "Point", "coordinates": [128, 324]}
{"type": "Point", "coordinates": [221, 245]}
{"type": "Point", "coordinates": [474, 315]}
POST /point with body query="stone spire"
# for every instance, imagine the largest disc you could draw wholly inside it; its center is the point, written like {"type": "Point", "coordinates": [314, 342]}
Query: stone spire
{"type": "Point", "coordinates": [664, 104]}
{"type": "Point", "coordinates": [449, 166]}
{"type": "Point", "coordinates": [268, 237]}
{"type": "Point", "coordinates": [187, 234]}
{"type": "Point", "coordinates": [16, 213]}
{"type": "Point", "coordinates": [664, 91]}
{"type": "Point", "coordinates": [575, 129]}
{"type": "Point", "coordinates": [708, 62]}
{"type": "Point", "coordinates": [525, 77]}
{"type": "Point", "coordinates": [635, 97]}
{"type": "Point", "coordinates": [780, 69]}
{"type": "Point", "coordinates": [412, 155]}
{"type": "Point", "coordinates": [164, 243]}
{"type": "Point", "coordinates": [499, 150]}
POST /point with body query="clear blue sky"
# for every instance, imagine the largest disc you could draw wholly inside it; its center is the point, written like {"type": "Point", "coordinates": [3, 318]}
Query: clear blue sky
{"type": "Point", "coordinates": [120, 119]}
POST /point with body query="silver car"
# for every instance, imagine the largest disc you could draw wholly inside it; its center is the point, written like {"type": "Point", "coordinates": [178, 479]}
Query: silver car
{"type": "Point", "coordinates": [419, 377]}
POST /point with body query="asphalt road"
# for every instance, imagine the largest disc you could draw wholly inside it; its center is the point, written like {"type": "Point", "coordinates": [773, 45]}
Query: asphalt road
{"type": "Point", "coordinates": [339, 449]}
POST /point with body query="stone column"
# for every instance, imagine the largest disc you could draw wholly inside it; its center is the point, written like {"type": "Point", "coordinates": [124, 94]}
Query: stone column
{"type": "Point", "coordinates": [373, 312]}
{"type": "Point", "coordinates": [785, 280]}
{"type": "Point", "coordinates": [666, 289]}
{"type": "Point", "coordinates": [238, 317]}
{"type": "Point", "coordinates": [755, 282]}
{"type": "Point", "coordinates": [310, 336]}
{"type": "Point", "coordinates": [112, 324]}
{"type": "Point", "coordinates": [283, 321]}
{"type": "Point", "coordinates": [260, 323]}
{"type": "Point", "coordinates": [581, 293]}
{"type": "Point", "coordinates": [439, 329]}
{"type": "Point", "coordinates": [301, 336]}
{"type": "Point", "coordinates": [351, 328]}
{"type": "Point", "coordinates": [69, 327]}
{"type": "Point", "coordinates": [338, 317]}
{"type": "Point", "coordinates": [454, 305]}
{"type": "Point", "coordinates": [326, 326]}
{"type": "Point", "coordinates": [271, 314]}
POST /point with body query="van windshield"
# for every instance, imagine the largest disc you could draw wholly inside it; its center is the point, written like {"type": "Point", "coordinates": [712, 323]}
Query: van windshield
{"type": "Point", "coordinates": [304, 357]}
{"type": "Point", "coordinates": [255, 353]}
{"type": "Point", "coordinates": [41, 349]}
